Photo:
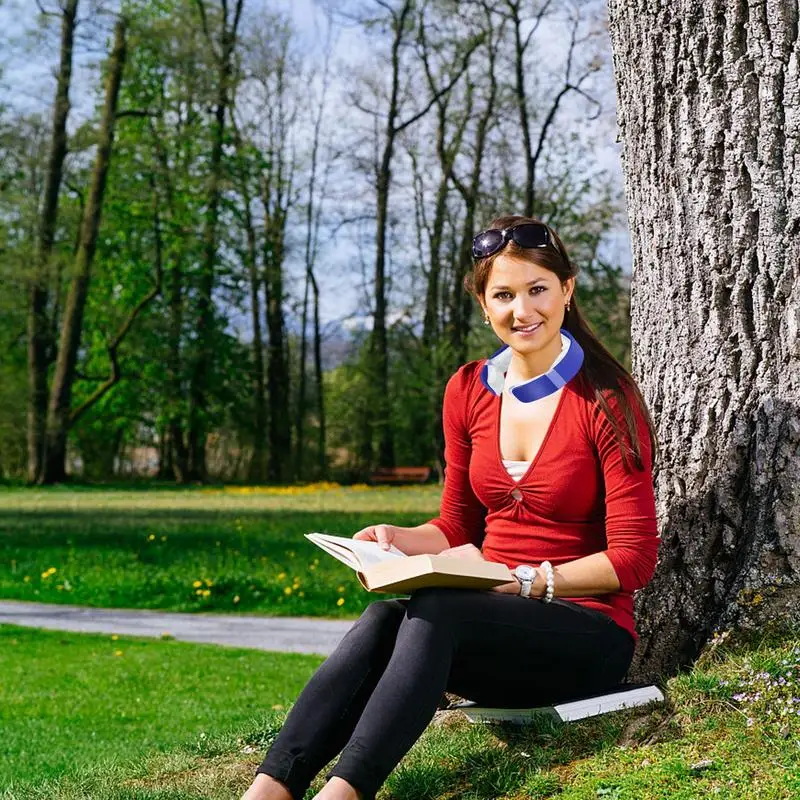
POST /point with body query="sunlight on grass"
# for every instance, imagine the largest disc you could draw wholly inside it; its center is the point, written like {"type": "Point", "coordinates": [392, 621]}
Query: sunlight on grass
{"type": "Point", "coordinates": [219, 549]}
{"type": "Point", "coordinates": [72, 700]}
{"type": "Point", "coordinates": [698, 745]}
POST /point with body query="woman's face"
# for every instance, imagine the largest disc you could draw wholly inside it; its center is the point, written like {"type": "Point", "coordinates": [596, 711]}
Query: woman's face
{"type": "Point", "coordinates": [525, 304]}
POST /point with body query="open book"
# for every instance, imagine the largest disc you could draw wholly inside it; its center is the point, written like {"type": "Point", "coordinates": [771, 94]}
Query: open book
{"type": "Point", "coordinates": [393, 571]}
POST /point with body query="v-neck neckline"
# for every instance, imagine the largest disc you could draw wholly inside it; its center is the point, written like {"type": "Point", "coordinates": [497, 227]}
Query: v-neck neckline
{"type": "Point", "coordinates": [535, 460]}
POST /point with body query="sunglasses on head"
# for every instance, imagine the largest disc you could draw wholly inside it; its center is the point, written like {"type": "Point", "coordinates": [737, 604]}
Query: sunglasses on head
{"type": "Point", "coordinates": [526, 235]}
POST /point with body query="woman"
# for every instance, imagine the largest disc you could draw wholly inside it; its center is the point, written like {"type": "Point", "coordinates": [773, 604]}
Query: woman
{"type": "Point", "coordinates": [548, 447]}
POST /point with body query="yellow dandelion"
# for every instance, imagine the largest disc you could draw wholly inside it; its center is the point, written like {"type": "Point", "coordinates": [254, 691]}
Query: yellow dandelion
{"type": "Point", "coordinates": [340, 602]}
{"type": "Point", "coordinates": [206, 592]}
{"type": "Point", "coordinates": [118, 652]}
{"type": "Point", "coordinates": [151, 537]}
{"type": "Point", "coordinates": [281, 576]}
{"type": "Point", "coordinates": [287, 590]}
{"type": "Point", "coordinates": [340, 589]}
{"type": "Point", "coordinates": [208, 582]}
{"type": "Point", "coordinates": [197, 584]}
{"type": "Point", "coordinates": [236, 599]}
{"type": "Point", "coordinates": [27, 579]}
{"type": "Point", "coordinates": [199, 591]}
{"type": "Point", "coordinates": [114, 637]}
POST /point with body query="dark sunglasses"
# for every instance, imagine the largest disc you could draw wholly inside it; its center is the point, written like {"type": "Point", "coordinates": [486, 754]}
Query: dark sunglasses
{"type": "Point", "coordinates": [526, 235]}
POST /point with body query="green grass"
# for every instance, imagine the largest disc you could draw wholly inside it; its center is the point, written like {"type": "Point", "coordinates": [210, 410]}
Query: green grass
{"type": "Point", "coordinates": [71, 702]}
{"type": "Point", "coordinates": [195, 550]}
{"type": "Point", "coordinates": [730, 730]}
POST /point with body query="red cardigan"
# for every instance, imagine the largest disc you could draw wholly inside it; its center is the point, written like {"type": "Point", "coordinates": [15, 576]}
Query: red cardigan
{"type": "Point", "coordinates": [576, 498]}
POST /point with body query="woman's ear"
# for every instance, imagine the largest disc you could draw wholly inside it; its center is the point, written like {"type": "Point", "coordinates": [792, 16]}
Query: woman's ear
{"type": "Point", "coordinates": [568, 287]}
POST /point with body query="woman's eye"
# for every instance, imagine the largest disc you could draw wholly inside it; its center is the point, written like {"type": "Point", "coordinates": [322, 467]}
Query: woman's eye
{"type": "Point", "coordinates": [538, 289]}
{"type": "Point", "coordinates": [502, 295]}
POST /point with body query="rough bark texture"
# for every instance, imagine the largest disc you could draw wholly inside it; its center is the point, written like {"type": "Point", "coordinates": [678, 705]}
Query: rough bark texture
{"type": "Point", "coordinates": [709, 112]}
{"type": "Point", "coordinates": [59, 414]}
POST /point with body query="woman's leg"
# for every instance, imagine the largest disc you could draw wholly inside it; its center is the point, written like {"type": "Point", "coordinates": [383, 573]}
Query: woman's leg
{"type": "Point", "coordinates": [328, 708]}
{"type": "Point", "coordinates": [486, 646]}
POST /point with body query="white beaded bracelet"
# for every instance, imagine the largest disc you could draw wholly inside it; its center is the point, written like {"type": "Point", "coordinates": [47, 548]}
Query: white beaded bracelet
{"type": "Point", "coordinates": [550, 581]}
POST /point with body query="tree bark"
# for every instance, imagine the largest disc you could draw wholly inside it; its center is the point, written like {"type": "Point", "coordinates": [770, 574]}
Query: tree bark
{"type": "Point", "coordinates": [38, 325]}
{"type": "Point", "coordinates": [709, 112]}
{"type": "Point", "coordinates": [59, 411]}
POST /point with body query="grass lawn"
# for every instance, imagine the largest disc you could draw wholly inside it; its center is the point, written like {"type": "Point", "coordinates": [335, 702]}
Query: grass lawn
{"type": "Point", "coordinates": [70, 702]}
{"type": "Point", "coordinates": [193, 550]}
{"type": "Point", "coordinates": [731, 730]}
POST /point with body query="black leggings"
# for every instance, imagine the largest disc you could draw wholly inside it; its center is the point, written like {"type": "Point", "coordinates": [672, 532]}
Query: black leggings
{"type": "Point", "coordinates": [376, 693]}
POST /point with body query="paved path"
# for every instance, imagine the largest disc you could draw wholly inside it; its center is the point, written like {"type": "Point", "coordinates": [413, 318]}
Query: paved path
{"type": "Point", "coordinates": [287, 634]}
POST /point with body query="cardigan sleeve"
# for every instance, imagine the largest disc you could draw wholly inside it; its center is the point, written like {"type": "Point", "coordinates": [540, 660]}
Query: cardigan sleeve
{"type": "Point", "coordinates": [631, 530]}
{"type": "Point", "coordinates": [462, 516]}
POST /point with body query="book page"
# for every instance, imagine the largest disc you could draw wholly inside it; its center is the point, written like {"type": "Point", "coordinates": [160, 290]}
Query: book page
{"type": "Point", "coordinates": [356, 553]}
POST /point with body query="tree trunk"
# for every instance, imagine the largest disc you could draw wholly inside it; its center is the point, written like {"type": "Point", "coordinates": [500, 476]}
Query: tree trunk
{"type": "Point", "coordinates": [204, 357]}
{"type": "Point", "coordinates": [322, 455]}
{"type": "Point", "coordinates": [709, 112]}
{"type": "Point", "coordinates": [258, 466]}
{"type": "Point", "coordinates": [59, 416]}
{"type": "Point", "coordinates": [38, 325]}
{"type": "Point", "coordinates": [280, 452]}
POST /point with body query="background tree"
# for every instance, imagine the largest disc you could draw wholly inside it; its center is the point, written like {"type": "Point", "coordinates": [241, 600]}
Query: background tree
{"type": "Point", "coordinates": [220, 29]}
{"type": "Point", "coordinates": [60, 414]}
{"type": "Point", "coordinates": [707, 104]}
{"type": "Point", "coordinates": [40, 344]}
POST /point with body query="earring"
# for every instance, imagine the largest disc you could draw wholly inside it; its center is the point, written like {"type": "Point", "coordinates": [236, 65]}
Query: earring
{"type": "Point", "coordinates": [486, 320]}
{"type": "Point", "coordinates": [567, 305]}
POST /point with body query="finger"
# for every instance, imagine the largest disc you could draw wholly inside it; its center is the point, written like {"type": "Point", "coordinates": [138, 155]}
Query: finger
{"type": "Point", "coordinates": [366, 534]}
{"type": "Point", "coordinates": [383, 537]}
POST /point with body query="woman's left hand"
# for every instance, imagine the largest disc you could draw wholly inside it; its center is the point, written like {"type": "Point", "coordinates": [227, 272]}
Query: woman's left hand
{"type": "Point", "coordinates": [468, 551]}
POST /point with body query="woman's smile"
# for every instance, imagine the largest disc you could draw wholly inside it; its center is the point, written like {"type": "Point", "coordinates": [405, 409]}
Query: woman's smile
{"type": "Point", "coordinates": [527, 331]}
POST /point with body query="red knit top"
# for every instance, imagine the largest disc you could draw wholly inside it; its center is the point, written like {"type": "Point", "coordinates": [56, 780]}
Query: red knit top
{"type": "Point", "coordinates": [576, 498]}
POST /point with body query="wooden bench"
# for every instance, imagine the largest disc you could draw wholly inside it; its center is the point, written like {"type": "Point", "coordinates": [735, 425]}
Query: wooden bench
{"type": "Point", "coordinates": [400, 475]}
{"type": "Point", "coordinates": [628, 695]}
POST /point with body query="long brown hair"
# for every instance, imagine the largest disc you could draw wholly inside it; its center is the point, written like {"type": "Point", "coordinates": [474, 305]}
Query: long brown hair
{"type": "Point", "coordinates": [601, 371]}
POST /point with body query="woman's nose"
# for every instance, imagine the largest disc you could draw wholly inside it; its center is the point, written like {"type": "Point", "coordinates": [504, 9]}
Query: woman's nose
{"type": "Point", "coordinates": [524, 306]}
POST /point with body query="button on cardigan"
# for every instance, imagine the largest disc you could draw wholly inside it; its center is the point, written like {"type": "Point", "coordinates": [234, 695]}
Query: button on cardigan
{"type": "Point", "coordinates": [576, 498]}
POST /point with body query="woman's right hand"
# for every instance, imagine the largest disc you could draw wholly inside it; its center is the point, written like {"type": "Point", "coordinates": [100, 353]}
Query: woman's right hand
{"type": "Point", "coordinates": [383, 534]}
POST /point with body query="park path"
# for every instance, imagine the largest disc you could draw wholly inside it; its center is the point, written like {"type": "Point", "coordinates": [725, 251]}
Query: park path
{"type": "Point", "coordinates": [285, 634]}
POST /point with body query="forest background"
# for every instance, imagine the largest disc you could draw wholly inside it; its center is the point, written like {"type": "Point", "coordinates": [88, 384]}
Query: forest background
{"type": "Point", "coordinates": [234, 233]}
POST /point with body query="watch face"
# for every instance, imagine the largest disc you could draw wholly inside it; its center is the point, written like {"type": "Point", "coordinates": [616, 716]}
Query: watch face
{"type": "Point", "coordinates": [524, 572]}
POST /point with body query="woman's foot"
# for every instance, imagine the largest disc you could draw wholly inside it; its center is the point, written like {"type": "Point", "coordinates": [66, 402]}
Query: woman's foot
{"type": "Point", "coordinates": [265, 787]}
{"type": "Point", "coordinates": [337, 789]}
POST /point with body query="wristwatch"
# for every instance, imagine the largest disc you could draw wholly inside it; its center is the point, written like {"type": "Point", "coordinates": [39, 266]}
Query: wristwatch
{"type": "Point", "coordinates": [525, 574]}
